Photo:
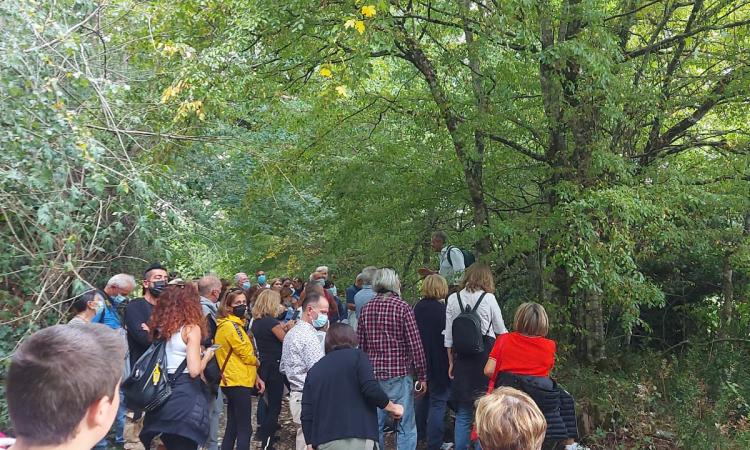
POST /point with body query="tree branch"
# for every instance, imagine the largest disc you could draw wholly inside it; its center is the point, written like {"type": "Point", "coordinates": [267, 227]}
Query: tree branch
{"type": "Point", "coordinates": [668, 42]}
{"type": "Point", "coordinates": [517, 147]}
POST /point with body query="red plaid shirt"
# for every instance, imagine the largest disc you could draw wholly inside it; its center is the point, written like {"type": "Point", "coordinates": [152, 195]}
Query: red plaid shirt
{"type": "Point", "coordinates": [388, 333]}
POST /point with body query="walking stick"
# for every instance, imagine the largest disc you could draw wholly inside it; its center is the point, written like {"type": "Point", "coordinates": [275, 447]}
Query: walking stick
{"type": "Point", "coordinates": [396, 423]}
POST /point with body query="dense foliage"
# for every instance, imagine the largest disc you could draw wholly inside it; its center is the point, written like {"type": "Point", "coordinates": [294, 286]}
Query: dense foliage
{"type": "Point", "coordinates": [594, 152]}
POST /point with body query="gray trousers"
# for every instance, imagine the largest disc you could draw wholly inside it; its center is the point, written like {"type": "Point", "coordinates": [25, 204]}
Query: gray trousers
{"type": "Point", "coordinates": [217, 407]}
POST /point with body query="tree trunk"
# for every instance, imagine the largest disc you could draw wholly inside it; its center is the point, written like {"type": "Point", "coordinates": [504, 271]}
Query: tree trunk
{"type": "Point", "coordinates": [461, 138]}
{"type": "Point", "coordinates": [594, 321]}
{"type": "Point", "coordinates": [727, 293]}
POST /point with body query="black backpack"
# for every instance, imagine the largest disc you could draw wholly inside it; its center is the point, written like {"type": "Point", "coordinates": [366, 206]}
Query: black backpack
{"type": "Point", "coordinates": [149, 385]}
{"type": "Point", "coordinates": [469, 258]}
{"type": "Point", "coordinates": [468, 338]}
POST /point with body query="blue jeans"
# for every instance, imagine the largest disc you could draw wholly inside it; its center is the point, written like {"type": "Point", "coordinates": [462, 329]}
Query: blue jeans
{"type": "Point", "coordinates": [214, 413]}
{"type": "Point", "coordinates": [120, 420]}
{"type": "Point", "coordinates": [462, 431]}
{"type": "Point", "coordinates": [400, 390]}
{"type": "Point", "coordinates": [431, 416]}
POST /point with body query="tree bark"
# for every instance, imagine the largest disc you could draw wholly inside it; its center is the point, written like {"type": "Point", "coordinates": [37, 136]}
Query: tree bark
{"type": "Point", "coordinates": [460, 137]}
{"type": "Point", "coordinates": [727, 293]}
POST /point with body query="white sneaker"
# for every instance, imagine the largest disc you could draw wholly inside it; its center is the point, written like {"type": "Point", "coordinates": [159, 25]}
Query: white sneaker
{"type": "Point", "coordinates": [576, 446]}
{"type": "Point", "coordinates": [446, 446]}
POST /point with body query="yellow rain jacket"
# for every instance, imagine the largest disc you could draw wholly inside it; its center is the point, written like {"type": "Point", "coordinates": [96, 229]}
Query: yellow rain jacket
{"type": "Point", "coordinates": [242, 367]}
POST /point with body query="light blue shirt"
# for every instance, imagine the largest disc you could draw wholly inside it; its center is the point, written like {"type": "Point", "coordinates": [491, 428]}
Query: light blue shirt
{"type": "Point", "coordinates": [362, 297]}
{"type": "Point", "coordinates": [452, 270]}
{"type": "Point", "coordinates": [109, 316]}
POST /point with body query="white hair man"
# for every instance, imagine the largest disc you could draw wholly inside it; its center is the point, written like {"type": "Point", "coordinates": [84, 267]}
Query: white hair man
{"type": "Point", "coordinates": [388, 334]}
{"type": "Point", "coordinates": [323, 270]}
{"type": "Point", "coordinates": [118, 289]}
{"type": "Point", "coordinates": [242, 280]}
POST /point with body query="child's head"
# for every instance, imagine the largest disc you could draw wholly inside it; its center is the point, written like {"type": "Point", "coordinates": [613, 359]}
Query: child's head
{"type": "Point", "coordinates": [531, 320]}
{"type": "Point", "coordinates": [508, 419]}
{"type": "Point", "coordinates": [62, 385]}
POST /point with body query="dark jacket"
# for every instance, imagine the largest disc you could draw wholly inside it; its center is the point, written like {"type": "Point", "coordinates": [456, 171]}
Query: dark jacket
{"type": "Point", "coordinates": [430, 315]}
{"type": "Point", "coordinates": [341, 389]}
{"type": "Point", "coordinates": [556, 404]}
{"type": "Point", "coordinates": [138, 312]}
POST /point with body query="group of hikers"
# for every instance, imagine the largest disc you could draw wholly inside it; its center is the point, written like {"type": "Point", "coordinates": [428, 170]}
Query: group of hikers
{"type": "Point", "coordinates": [165, 366]}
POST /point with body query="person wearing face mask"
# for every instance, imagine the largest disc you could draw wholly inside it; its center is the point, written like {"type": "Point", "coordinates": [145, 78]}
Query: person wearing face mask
{"type": "Point", "coordinates": [261, 277]}
{"type": "Point", "coordinates": [317, 281]}
{"type": "Point", "coordinates": [287, 301]}
{"type": "Point", "coordinates": [238, 361]}
{"type": "Point", "coordinates": [341, 312]}
{"type": "Point", "coordinates": [138, 311]}
{"type": "Point", "coordinates": [323, 271]}
{"type": "Point", "coordinates": [242, 281]}
{"type": "Point", "coordinates": [88, 305]}
{"type": "Point", "coordinates": [137, 315]}
{"type": "Point", "coordinates": [118, 289]}
{"type": "Point", "coordinates": [300, 351]}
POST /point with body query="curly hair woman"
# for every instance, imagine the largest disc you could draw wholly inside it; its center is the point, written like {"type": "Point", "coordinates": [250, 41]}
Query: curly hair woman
{"type": "Point", "coordinates": [182, 420]}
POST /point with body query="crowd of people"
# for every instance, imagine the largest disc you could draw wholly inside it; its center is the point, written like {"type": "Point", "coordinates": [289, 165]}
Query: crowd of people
{"type": "Point", "coordinates": [353, 369]}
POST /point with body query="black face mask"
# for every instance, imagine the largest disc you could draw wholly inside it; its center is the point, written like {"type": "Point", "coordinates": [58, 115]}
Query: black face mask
{"type": "Point", "coordinates": [239, 310]}
{"type": "Point", "coordinates": [157, 288]}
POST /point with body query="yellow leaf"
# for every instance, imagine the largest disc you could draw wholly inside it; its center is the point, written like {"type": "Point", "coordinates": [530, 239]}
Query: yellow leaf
{"type": "Point", "coordinates": [326, 72]}
{"type": "Point", "coordinates": [350, 23]}
{"type": "Point", "coordinates": [342, 91]}
{"type": "Point", "coordinates": [369, 11]}
{"type": "Point", "coordinates": [360, 26]}
{"type": "Point", "coordinates": [187, 107]}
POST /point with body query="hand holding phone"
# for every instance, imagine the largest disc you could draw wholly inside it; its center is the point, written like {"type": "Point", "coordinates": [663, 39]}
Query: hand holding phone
{"type": "Point", "coordinates": [215, 347]}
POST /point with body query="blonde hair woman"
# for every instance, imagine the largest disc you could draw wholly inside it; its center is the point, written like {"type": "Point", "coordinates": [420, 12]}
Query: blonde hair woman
{"type": "Point", "coordinates": [523, 359]}
{"type": "Point", "coordinates": [430, 315]}
{"type": "Point", "coordinates": [269, 334]}
{"type": "Point", "coordinates": [465, 369]}
{"type": "Point", "coordinates": [508, 419]}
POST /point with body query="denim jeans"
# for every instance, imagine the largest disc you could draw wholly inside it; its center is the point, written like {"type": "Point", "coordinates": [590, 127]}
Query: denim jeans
{"type": "Point", "coordinates": [214, 413]}
{"type": "Point", "coordinates": [462, 431]}
{"type": "Point", "coordinates": [430, 414]}
{"type": "Point", "coordinates": [120, 420]}
{"type": "Point", "coordinates": [400, 390]}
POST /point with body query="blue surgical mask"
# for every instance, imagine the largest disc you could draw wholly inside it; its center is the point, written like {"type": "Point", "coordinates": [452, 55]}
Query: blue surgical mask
{"type": "Point", "coordinates": [321, 320]}
{"type": "Point", "coordinates": [246, 285]}
{"type": "Point", "coordinates": [99, 308]}
{"type": "Point", "coordinates": [117, 299]}
{"type": "Point", "coordinates": [333, 291]}
{"type": "Point", "coordinates": [262, 279]}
